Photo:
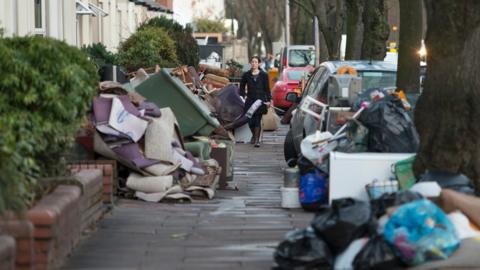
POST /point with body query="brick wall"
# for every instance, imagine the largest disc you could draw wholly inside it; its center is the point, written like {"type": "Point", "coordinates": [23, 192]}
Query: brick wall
{"type": "Point", "coordinates": [91, 204]}
{"type": "Point", "coordinates": [109, 169]}
{"type": "Point", "coordinates": [56, 219]}
{"type": "Point", "coordinates": [50, 230]}
{"type": "Point", "coordinates": [22, 232]}
{"type": "Point", "coordinates": [7, 252]}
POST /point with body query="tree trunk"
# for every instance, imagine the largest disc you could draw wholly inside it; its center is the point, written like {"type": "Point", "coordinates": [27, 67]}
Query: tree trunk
{"type": "Point", "coordinates": [408, 71]}
{"type": "Point", "coordinates": [354, 9]}
{"type": "Point", "coordinates": [268, 42]}
{"type": "Point", "coordinates": [337, 20]}
{"type": "Point", "coordinates": [331, 17]}
{"type": "Point", "coordinates": [324, 56]}
{"type": "Point", "coordinates": [302, 30]}
{"type": "Point", "coordinates": [447, 113]}
{"type": "Point", "coordinates": [376, 30]}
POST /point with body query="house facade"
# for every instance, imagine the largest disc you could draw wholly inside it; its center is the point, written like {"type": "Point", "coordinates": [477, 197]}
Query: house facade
{"type": "Point", "coordinates": [80, 22]}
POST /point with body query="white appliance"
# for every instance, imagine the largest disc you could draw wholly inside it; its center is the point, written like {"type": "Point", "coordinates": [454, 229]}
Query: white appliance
{"type": "Point", "coordinates": [350, 173]}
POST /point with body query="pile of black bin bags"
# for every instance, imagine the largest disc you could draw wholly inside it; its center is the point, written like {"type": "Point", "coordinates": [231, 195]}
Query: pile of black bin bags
{"type": "Point", "coordinates": [334, 228]}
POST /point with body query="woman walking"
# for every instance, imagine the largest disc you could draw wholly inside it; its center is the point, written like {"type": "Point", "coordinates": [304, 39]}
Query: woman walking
{"type": "Point", "coordinates": [257, 92]}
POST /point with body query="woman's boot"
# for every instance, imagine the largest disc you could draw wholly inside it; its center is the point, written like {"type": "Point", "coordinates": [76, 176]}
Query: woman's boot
{"type": "Point", "coordinates": [257, 133]}
{"type": "Point", "coordinates": [252, 140]}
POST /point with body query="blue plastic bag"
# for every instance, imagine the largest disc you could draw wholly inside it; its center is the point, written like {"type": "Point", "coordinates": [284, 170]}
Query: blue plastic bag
{"type": "Point", "coordinates": [313, 188]}
{"type": "Point", "coordinates": [420, 232]}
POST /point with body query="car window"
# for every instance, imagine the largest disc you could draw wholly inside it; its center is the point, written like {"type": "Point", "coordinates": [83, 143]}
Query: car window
{"type": "Point", "coordinates": [296, 75]}
{"type": "Point", "coordinates": [322, 85]}
{"type": "Point", "coordinates": [377, 79]}
{"type": "Point", "coordinates": [301, 58]}
{"type": "Point", "coordinates": [313, 81]}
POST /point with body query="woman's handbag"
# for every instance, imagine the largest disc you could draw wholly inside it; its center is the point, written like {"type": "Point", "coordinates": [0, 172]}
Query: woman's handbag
{"type": "Point", "coordinates": [270, 120]}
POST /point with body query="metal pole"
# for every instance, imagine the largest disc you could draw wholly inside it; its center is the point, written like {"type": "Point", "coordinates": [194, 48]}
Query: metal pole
{"type": "Point", "coordinates": [287, 22]}
{"type": "Point", "coordinates": [317, 41]}
{"type": "Point", "coordinates": [234, 37]}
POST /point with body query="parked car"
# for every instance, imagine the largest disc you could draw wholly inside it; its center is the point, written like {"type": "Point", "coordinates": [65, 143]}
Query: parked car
{"type": "Point", "coordinates": [375, 74]}
{"type": "Point", "coordinates": [288, 82]}
{"type": "Point", "coordinates": [297, 56]}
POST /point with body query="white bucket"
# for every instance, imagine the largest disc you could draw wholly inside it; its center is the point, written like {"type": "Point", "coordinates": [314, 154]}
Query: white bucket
{"type": "Point", "coordinates": [290, 197]}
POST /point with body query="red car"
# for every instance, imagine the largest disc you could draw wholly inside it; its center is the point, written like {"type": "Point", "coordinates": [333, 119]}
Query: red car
{"type": "Point", "coordinates": [287, 82]}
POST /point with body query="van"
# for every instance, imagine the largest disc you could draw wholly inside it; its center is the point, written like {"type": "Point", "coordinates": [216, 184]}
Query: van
{"type": "Point", "coordinates": [297, 56]}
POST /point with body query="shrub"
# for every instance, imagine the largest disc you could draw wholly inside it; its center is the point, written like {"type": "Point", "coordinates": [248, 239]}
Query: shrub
{"type": "Point", "coordinates": [206, 25]}
{"type": "Point", "coordinates": [146, 48]}
{"type": "Point", "coordinates": [186, 46]}
{"type": "Point", "coordinates": [45, 91]}
{"type": "Point", "coordinates": [99, 54]}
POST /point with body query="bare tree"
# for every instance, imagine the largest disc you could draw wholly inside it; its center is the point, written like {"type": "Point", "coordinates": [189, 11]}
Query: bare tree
{"type": "Point", "coordinates": [247, 25]}
{"type": "Point", "coordinates": [354, 9]}
{"type": "Point", "coordinates": [331, 17]}
{"type": "Point", "coordinates": [301, 26]}
{"type": "Point", "coordinates": [408, 71]}
{"type": "Point", "coordinates": [376, 30]}
{"type": "Point", "coordinates": [448, 112]}
{"type": "Point", "coordinates": [266, 20]}
{"type": "Point", "coordinates": [258, 17]}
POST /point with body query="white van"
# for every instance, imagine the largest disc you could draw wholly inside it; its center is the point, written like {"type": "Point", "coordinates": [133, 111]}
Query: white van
{"type": "Point", "coordinates": [297, 56]}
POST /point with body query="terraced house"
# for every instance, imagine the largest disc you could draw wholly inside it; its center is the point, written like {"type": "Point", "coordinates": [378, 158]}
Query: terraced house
{"type": "Point", "coordinates": [80, 22]}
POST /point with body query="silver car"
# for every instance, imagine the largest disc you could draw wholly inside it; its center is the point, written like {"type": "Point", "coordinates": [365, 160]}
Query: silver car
{"type": "Point", "coordinates": [375, 74]}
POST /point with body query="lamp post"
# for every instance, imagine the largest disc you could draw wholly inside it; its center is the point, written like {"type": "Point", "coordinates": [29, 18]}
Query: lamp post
{"type": "Point", "coordinates": [287, 22]}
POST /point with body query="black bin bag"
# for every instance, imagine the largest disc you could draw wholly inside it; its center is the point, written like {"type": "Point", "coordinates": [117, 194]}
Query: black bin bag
{"type": "Point", "coordinates": [390, 128]}
{"type": "Point", "coordinates": [302, 250]}
{"type": "Point", "coordinates": [455, 181]}
{"type": "Point", "coordinates": [387, 200]}
{"type": "Point", "coordinates": [342, 222]}
{"type": "Point", "coordinates": [376, 255]}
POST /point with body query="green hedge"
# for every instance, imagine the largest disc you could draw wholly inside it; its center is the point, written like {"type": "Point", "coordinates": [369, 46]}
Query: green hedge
{"type": "Point", "coordinates": [146, 48]}
{"type": "Point", "coordinates": [99, 54]}
{"type": "Point", "coordinates": [46, 88]}
{"type": "Point", "coordinates": [206, 25]}
{"type": "Point", "coordinates": [187, 49]}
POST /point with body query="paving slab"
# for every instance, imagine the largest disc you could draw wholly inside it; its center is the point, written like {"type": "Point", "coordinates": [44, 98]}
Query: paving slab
{"type": "Point", "coordinates": [236, 230]}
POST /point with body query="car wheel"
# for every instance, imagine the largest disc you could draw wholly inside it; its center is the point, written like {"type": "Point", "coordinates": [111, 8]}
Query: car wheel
{"type": "Point", "coordinates": [289, 151]}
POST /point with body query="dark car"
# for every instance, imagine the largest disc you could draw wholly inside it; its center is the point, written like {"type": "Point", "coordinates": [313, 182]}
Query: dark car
{"type": "Point", "coordinates": [375, 74]}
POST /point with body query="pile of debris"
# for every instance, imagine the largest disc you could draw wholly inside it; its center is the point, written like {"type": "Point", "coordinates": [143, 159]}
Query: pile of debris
{"type": "Point", "coordinates": [371, 210]}
{"type": "Point", "coordinates": [401, 230]}
{"type": "Point", "coordinates": [213, 77]}
{"type": "Point", "coordinates": [172, 129]}
{"type": "Point", "coordinates": [147, 140]}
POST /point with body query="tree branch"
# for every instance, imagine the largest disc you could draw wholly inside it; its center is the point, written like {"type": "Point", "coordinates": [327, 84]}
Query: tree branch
{"type": "Point", "coordinates": [303, 7]}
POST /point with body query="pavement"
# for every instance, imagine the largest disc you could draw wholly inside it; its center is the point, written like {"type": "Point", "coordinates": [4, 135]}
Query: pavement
{"type": "Point", "coordinates": [236, 230]}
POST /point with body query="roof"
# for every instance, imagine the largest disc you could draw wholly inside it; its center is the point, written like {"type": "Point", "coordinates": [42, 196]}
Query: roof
{"type": "Point", "coordinates": [152, 5]}
{"type": "Point", "coordinates": [361, 65]}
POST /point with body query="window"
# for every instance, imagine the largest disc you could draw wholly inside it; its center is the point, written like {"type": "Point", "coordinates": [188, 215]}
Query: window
{"type": "Point", "coordinates": [320, 90]}
{"type": "Point", "coordinates": [313, 81]}
{"type": "Point", "coordinates": [38, 14]}
{"type": "Point", "coordinates": [296, 75]}
{"type": "Point", "coordinates": [39, 17]}
{"type": "Point", "coordinates": [301, 58]}
{"type": "Point", "coordinates": [377, 79]}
